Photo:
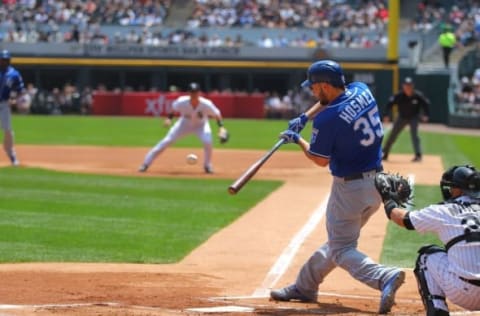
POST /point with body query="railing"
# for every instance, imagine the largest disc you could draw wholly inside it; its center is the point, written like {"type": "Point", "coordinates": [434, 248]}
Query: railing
{"type": "Point", "coordinates": [250, 36]}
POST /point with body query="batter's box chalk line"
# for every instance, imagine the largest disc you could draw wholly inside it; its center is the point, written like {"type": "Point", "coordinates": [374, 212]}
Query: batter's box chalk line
{"type": "Point", "coordinates": [359, 297]}
{"type": "Point", "coordinates": [222, 309]}
{"type": "Point", "coordinates": [27, 306]}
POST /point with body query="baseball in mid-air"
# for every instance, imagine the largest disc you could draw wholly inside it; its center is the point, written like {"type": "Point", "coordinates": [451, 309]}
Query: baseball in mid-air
{"type": "Point", "coordinates": [192, 159]}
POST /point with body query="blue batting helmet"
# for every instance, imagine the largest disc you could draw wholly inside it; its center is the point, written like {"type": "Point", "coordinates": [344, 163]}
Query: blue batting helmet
{"type": "Point", "coordinates": [5, 54]}
{"type": "Point", "coordinates": [325, 71]}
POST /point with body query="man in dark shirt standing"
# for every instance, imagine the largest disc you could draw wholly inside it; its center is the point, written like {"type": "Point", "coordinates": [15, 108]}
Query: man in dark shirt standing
{"type": "Point", "coordinates": [409, 103]}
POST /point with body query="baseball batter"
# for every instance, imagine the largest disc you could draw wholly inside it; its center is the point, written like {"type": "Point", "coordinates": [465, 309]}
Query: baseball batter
{"type": "Point", "coordinates": [346, 135]}
{"type": "Point", "coordinates": [452, 271]}
{"type": "Point", "coordinates": [10, 81]}
{"type": "Point", "coordinates": [194, 112]}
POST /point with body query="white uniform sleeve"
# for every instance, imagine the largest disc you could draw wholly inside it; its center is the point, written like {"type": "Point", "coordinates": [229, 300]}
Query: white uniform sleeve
{"type": "Point", "coordinates": [210, 108]}
{"type": "Point", "coordinates": [429, 219]}
{"type": "Point", "coordinates": [176, 105]}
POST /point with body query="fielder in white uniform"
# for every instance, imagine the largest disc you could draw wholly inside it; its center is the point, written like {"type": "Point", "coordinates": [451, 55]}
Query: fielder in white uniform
{"type": "Point", "coordinates": [194, 112]}
{"type": "Point", "coordinates": [451, 272]}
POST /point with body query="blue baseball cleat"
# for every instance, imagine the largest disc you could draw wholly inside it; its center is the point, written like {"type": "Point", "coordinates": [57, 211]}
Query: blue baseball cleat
{"type": "Point", "coordinates": [388, 292]}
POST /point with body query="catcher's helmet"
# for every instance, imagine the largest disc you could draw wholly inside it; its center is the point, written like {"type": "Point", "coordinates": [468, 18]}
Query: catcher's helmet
{"type": "Point", "coordinates": [465, 178]}
{"type": "Point", "coordinates": [325, 71]}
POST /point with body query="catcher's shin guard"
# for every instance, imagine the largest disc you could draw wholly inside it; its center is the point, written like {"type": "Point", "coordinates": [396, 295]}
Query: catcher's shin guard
{"type": "Point", "coordinates": [419, 271]}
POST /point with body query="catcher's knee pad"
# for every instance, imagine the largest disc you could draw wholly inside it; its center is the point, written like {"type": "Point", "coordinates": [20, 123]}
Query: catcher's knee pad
{"type": "Point", "coordinates": [419, 271]}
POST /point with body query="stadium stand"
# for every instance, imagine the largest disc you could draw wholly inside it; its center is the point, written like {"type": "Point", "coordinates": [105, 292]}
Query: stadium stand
{"type": "Point", "coordinates": [342, 25]}
{"type": "Point", "coordinates": [89, 21]}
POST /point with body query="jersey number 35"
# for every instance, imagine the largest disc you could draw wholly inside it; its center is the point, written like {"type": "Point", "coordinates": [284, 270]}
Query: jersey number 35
{"type": "Point", "coordinates": [371, 127]}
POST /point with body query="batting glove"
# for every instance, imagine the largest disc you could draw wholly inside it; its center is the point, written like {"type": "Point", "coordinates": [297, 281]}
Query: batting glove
{"type": "Point", "coordinates": [298, 124]}
{"type": "Point", "coordinates": [290, 136]}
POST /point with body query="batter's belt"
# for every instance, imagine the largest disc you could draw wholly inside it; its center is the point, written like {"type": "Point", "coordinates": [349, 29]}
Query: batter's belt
{"type": "Point", "coordinates": [363, 175]}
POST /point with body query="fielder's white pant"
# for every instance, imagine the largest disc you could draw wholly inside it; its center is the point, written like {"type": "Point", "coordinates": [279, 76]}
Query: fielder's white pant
{"type": "Point", "coordinates": [442, 282]}
{"type": "Point", "coordinates": [181, 128]}
{"type": "Point", "coordinates": [6, 124]}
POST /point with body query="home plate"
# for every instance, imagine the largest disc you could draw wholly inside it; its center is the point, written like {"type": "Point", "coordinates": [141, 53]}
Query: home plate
{"type": "Point", "coordinates": [222, 309]}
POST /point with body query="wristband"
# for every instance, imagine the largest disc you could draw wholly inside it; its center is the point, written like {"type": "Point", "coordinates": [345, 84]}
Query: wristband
{"type": "Point", "coordinates": [304, 118]}
{"type": "Point", "coordinates": [389, 206]}
{"type": "Point", "coordinates": [170, 115]}
{"type": "Point", "coordinates": [219, 123]}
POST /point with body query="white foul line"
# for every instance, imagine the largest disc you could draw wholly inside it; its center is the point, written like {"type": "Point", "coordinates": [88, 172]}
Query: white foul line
{"type": "Point", "coordinates": [282, 263]}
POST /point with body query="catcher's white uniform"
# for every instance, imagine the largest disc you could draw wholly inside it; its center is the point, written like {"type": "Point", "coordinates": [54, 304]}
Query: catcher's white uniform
{"type": "Point", "coordinates": [192, 120]}
{"type": "Point", "coordinates": [454, 274]}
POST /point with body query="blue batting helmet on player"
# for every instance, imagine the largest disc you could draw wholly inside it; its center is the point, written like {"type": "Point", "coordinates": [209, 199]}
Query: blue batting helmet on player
{"type": "Point", "coordinates": [325, 71]}
{"type": "Point", "coordinates": [4, 60]}
{"type": "Point", "coordinates": [5, 54]}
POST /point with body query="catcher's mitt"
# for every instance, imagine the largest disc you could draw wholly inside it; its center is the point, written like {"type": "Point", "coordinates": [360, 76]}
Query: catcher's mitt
{"type": "Point", "coordinates": [223, 135]}
{"type": "Point", "coordinates": [393, 187]}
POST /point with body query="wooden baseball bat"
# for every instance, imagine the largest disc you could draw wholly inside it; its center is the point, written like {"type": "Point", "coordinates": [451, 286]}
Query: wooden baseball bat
{"type": "Point", "coordinates": [247, 175]}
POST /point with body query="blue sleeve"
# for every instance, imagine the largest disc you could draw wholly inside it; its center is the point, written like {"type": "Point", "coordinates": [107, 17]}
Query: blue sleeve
{"type": "Point", "coordinates": [323, 135]}
{"type": "Point", "coordinates": [18, 85]}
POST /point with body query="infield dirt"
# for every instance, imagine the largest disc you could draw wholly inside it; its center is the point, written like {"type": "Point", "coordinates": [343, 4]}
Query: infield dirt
{"type": "Point", "coordinates": [224, 271]}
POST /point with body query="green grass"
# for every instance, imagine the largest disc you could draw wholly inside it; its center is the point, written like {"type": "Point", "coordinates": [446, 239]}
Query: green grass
{"type": "Point", "coordinates": [401, 245]}
{"type": "Point", "coordinates": [50, 216]}
{"type": "Point", "coordinates": [245, 134]}
{"type": "Point", "coordinates": [137, 131]}
{"type": "Point", "coordinates": [56, 216]}
{"type": "Point", "coordinates": [454, 149]}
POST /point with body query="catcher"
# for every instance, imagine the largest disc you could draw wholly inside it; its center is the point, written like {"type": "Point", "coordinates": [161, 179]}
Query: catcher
{"type": "Point", "coordinates": [453, 271]}
{"type": "Point", "coordinates": [194, 111]}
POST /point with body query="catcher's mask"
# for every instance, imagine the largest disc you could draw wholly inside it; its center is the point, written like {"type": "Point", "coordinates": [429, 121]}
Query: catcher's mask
{"type": "Point", "coordinates": [465, 178]}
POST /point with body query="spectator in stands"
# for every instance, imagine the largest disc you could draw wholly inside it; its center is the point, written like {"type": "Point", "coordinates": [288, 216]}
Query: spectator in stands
{"type": "Point", "coordinates": [73, 35]}
{"type": "Point", "coordinates": [447, 41]}
{"type": "Point", "coordinates": [287, 14]}
{"type": "Point", "coordinates": [465, 32]}
{"type": "Point", "coordinates": [465, 97]}
{"type": "Point", "coordinates": [86, 100]}
{"type": "Point", "coordinates": [427, 14]}
{"type": "Point", "coordinates": [348, 17]}
{"type": "Point", "coordinates": [273, 105]}
{"type": "Point", "coordinates": [24, 106]}
{"type": "Point", "coordinates": [466, 93]}
{"type": "Point", "coordinates": [279, 107]}
{"type": "Point", "coordinates": [55, 99]}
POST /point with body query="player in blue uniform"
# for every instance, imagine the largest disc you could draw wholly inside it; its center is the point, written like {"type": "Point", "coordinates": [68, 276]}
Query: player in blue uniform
{"type": "Point", "coordinates": [10, 81]}
{"type": "Point", "coordinates": [347, 135]}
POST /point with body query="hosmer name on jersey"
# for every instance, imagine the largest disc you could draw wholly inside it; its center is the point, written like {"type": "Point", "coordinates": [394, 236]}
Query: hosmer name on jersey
{"type": "Point", "coordinates": [356, 106]}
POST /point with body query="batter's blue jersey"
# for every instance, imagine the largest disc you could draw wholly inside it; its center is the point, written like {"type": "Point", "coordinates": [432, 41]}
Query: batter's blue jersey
{"type": "Point", "coordinates": [10, 80]}
{"type": "Point", "coordinates": [349, 132]}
